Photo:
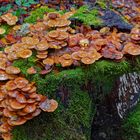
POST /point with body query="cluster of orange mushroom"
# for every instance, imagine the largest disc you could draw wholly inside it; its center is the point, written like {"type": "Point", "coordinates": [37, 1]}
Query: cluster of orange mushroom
{"type": "Point", "coordinates": [57, 43]}
{"type": "Point", "coordinates": [54, 42]}
{"type": "Point", "coordinates": [130, 9]}
{"type": "Point", "coordinates": [19, 103]}
{"type": "Point", "coordinates": [9, 18]}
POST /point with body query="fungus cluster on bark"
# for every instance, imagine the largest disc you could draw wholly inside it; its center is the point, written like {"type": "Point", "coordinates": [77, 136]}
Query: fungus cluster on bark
{"type": "Point", "coordinates": [54, 41]}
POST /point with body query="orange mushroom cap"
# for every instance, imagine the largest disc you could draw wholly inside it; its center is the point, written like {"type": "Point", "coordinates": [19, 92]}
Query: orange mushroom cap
{"type": "Point", "coordinates": [6, 136]}
{"type": "Point", "coordinates": [2, 95]}
{"type": "Point", "coordinates": [5, 127]}
{"type": "Point", "coordinates": [132, 49]}
{"type": "Point", "coordinates": [48, 105]}
{"type": "Point", "coordinates": [8, 113]}
{"type": "Point", "coordinates": [28, 116]}
{"type": "Point", "coordinates": [13, 93]}
{"type": "Point", "coordinates": [75, 56]}
{"type": "Point", "coordinates": [62, 35]}
{"type": "Point", "coordinates": [15, 104]}
{"type": "Point", "coordinates": [24, 53]}
{"type": "Point", "coordinates": [21, 82]}
{"type": "Point", "coordinates": [36, 112]}
{"type": "Point", "coordinates": [33, 89]}
{"type": "Point", "coordinates": [3, 75]}
{"type": "Point", "coordinates": [19, 121]}
{"type": "Point", "coordinates": [66, 63]}
{"type": "Point", "coordinates": [29, 108]}
{"type": "Point", "coordinates": [12, 70]}
{"type": "Point", "coordinates": [42, 46]}
{"type": "Point", "coordinates": [87, 60]}
{"type": "Point", "coordinates": [10, 85]}
{"type": "Point", "coordinates": [53, 34]}
{"type": "Point", "coordinates": [21, 98]}
{"type": "Point", "coordinates": [31, 70]}
{"type": "Point", "coordinates": [82, 54]}
{"type": "Point", "coordinates": [66, 56]}
{"type": "Point", "coordinates": [48, 61]}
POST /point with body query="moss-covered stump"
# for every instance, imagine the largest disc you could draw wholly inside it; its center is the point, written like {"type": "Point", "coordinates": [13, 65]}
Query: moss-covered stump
{"type": "Point", "coordinates": [71, 121]}
{"type": "Point", "coordinates": [77, 91]}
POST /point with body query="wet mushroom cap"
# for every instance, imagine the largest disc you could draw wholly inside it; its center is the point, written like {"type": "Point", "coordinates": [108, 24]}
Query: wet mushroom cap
{"type": "Point", "coordinates": [21, 98]}
{"type": "Point", "coordinates": [24, 53]}
{"type": "Point", "coordinates": [6, 136]}
{"type": "Point", "coordinates": [16, 105]}
{"type": "Point", "coordinates": [19, 121]}
{"type": "Point", "coordinates": [12, 70]}
{"type": "Point", "coordinates": [21, 82]}
{"type": "Point", "coordinates": [66, 63]}
{"type": "Point", "coordinates": [31, 70]}
{"type": "Point", "coordinates": [87, 60]}
{"type": "Point", "coordinates": [10, 85]}
{"type": "Point", "coordinates": [48, 61]}
{"type": "Point", "coordinates": [53, 34]}
{"type": "Point", "coordinates": [42, 46]}
{"type": "Point", "coordinates": [48, 105]}
{"type": "Point", "coordinates": [29, 108]}
{"type": "Point", "coordinates": [3, 75]}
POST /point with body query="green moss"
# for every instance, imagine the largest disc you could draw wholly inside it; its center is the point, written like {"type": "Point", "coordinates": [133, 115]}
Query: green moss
{"type": "Point", "coordinates": [88, 17]}
{"type": "Point", "coordinates": [38, 14]}
{"type": "Point", "coordinates": [133, 122]}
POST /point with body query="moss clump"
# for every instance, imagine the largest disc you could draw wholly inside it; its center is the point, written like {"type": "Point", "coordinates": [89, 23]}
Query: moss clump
{"type": "Point", "coordinates": [88, 17]}
{"type": "Point", "coordinates": [133, 122]}
{"type": "Point", "coordinates": [38, 14]}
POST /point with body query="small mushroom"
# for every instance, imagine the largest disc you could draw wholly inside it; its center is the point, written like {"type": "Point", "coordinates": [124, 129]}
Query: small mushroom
{"type": "Point", "coordinates": [21, 98]}
{"type": "Point", "coordinates": [16, 105]}
{"type": "Point", "coordinates": [12, 70]}
{"type": "Point", "coordinates": [24, 53]}
{"type": "Point", "coordinates": [21, 82]}
{"type": "Point", "coordinates": [19, 121]}
{"type": "Point", "coordinates": [7, 136]}
{"type": "Point", "coordinates": [31, 70]}
{"type": "Point", "coordinates": [53, 34]}
{"type": "Point", "coordinates": [29, 108]}
{"type": "Point", "coordinates": [84, 42]}
{"type": "Point", "coordinates": [48, 105]}
{"type": "Point", "coordinates": [3, 75]}
{"type": "Point", "coordinates": [87, 60]}
{"type": "Point", "coordinates": [48, 61]}
{"type": "Point", "coordinates": [10, 85]}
